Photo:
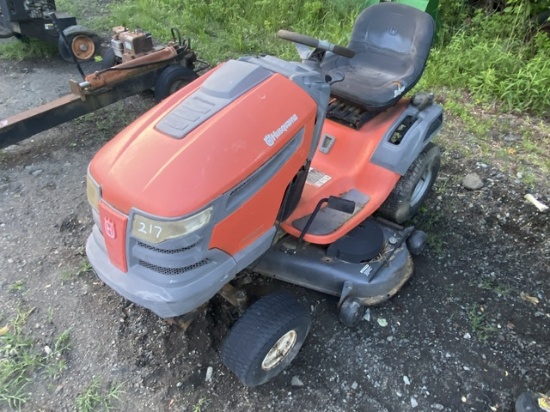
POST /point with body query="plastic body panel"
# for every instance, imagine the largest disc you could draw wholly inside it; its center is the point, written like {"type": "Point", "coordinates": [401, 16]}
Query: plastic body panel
{"type": "Point", "coordinates": [146, 169]}
{"type": "Point", "coordinates": [398, 157]}
{"type": "Point", "coordinates": [236, 161]}
{"type": "Point", "coordinates": [347, 166]}
{"type": "Point", "coordinates": [170, 296]}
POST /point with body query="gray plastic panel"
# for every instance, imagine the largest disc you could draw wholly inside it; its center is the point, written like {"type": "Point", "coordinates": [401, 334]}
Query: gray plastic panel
{"type": "Point", "coordinates": [229, 82]}
{"type": "Point", "coordinates": [399, 157]}
{"type": "Point", "coordinates": [328, 220]}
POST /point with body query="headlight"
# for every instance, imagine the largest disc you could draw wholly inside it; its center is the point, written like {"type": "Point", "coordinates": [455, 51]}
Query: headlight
{"type": "Point", "coordinates": [156, 231]}
{"type": "Point", "coordinates": [93, 192]}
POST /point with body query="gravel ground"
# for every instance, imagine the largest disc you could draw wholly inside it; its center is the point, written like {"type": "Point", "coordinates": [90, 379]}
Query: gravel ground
{"type": "Point", "coordinates": [469, 332]}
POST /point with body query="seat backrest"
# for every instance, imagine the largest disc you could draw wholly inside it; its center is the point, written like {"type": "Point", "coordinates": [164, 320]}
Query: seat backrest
{"type": "Point", "coordinates": [395, 30]}
{"type": "Point", "coordinates": [392, 43]}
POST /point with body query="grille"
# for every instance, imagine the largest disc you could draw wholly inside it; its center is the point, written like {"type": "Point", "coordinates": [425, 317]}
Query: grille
{"type": "Point", "coordinates": [166, 251]}
{"type": "Point", "coordinates": [173, 271]}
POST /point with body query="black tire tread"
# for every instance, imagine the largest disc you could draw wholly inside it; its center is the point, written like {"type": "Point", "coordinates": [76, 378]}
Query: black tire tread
{"type": "Point", "coordinates": [167, 76]}
{"type": "Point", "coordinates": [395, 207]}
{"type": "Point", "coordinates": [272, 315]}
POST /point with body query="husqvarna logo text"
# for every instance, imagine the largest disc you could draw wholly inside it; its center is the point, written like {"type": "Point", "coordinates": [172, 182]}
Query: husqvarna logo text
{"type": "Point", "coordinates": [272, 137]}
{"type": "Point", "coordinates": [110, 228]}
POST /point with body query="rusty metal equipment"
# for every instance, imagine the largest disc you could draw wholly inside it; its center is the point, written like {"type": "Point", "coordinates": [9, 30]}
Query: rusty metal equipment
{"type": "Point", "coordinates": [139, 67]}
{"type": "Point", "coordinates": [38, 19]}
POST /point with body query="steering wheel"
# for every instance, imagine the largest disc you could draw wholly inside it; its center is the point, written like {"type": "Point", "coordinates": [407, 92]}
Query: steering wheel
{"type": "Point", "coordinates": [316, 43]}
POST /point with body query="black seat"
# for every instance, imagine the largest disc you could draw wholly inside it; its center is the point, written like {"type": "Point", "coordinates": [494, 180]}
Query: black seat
{"type": "Point", "coordinates": [391, 42]}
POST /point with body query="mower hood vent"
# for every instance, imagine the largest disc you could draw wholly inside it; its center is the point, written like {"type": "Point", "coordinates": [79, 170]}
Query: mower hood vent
{"type": "Point", "coordinates": [228, 83]}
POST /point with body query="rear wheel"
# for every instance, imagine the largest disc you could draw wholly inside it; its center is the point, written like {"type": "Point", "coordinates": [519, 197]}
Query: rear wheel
{"type": "Point", "coordinates": [412, 189]}
{"type": "Point", "coordinates": [171, 79]}
{"type": "Point", "coordinates": [266, 338]}
{"type": "Point", "coordinates": [108, 59]}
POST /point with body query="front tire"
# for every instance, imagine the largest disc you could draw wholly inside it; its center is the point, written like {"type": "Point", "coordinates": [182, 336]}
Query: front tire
{"type": "Point", "coordinates": [412, 189]}
{"type": "Point", "coordinates": [82, 43]}
{"type": "Point", "coordinates": [266, 338]}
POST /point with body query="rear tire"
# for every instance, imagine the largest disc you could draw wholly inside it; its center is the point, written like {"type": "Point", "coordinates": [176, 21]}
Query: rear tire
{"type": "Point", "coordinates": [412, 189]}
{"type": "Point", "coordinates": [171, 79]}
{"type": "Point", "coordinates": [108, 59]}
{"type": "Point", "coordinates": [266, 338]}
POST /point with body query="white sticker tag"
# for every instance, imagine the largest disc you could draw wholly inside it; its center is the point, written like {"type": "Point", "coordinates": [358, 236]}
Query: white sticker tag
{"type": "Point", "coordinates": [317, 178]}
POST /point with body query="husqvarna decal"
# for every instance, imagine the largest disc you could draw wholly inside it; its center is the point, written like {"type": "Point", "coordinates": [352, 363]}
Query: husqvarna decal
{"type": "Point", "coordinates": [317, 178]}
{"type": "Point", "coordinates": [272, 137]}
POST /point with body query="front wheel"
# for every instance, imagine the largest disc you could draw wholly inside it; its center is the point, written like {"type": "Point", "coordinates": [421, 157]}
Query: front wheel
{"type": "Point", "coordinates": [266, 338]}
{"type": "Point", "coordinates": [412, 189]}
{"type": "Point", "coordinates": [81, 42]}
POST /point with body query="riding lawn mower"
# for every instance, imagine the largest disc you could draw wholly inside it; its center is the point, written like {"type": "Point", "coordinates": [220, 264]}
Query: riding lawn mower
{"type": "Point", "coordinates": [300, 171]}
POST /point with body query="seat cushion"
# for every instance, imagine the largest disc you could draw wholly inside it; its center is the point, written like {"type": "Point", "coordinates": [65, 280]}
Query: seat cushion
{"type": "Point", "coordinates": [391, 43]}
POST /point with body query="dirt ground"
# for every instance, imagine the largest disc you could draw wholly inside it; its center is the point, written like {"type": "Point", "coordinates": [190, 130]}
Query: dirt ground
{"type": "Point", "coordinates": [469, 332]}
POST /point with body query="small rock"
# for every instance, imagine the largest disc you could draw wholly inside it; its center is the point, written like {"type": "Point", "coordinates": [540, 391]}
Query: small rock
{"type": "Point", "coordinates": [467, 336]}
{"type": "Point", "coordinates": [296, 381]}
{"type": "Point", "coordinates": [389, 338]}
{"type": "Point", "coordinates": [366, 316]}
{"type": "Point", "coordinates": [48, 350]}
{"type": "Point", "coordinates": [406, 380]}
{"type": "Point", "coordinates": [37, 172]}
{"type": "Point", "coordinates": [472, 181]}
{"type": "Point", "coordinates": [382, 322]}
{"type": "Point", "coordinates": [539, 314]}
{"type": "Point", "coordinates": [58, 389]}
{"type": "Point", "coordinates": [178, 385]}
{"type": "Point", "coordinates": [354, 385]}
{"type": "Point", "coordinates": [512, 138]}
{"type": "Point", "coordinates": [209, 372]}
{"type": "Point", "coordinates": [438, 406]}
{"type": "Point", "coordinates": [414, 402]}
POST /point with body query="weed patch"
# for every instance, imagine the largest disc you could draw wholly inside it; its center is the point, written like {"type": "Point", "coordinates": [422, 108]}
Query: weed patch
{"type": "Point", "coordinates": [20, 359]}
{"type": "Point", "coordinates": [96, 396]}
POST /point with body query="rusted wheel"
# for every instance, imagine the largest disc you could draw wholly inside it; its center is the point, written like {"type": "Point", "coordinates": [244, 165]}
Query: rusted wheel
{"type": "Point", "coordinates": [83, 47]}
{"type": "Point", "coordinates": [81, 42]}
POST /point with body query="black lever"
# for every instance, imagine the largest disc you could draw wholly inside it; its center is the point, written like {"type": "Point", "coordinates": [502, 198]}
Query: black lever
{"type": "Point", "coordinates": [333, 202]}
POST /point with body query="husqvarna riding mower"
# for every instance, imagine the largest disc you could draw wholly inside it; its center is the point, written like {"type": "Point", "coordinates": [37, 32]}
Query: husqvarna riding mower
{"type": "Point", "coordinates": [300, 171]}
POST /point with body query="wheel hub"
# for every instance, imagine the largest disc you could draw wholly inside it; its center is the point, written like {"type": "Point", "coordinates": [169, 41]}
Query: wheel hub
{"type": "Point", "coordinates": [421, 187]}
{"type": "Point", "coordinates": [83, 47]}
{"type": "Point", "coordinates": [280, 350]}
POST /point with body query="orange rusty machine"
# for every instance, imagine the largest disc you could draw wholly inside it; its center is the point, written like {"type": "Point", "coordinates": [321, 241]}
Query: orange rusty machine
{"type": "Point", "coordinates": [131, 65]}
{"type": "Point", "coordinates": [300, 171]}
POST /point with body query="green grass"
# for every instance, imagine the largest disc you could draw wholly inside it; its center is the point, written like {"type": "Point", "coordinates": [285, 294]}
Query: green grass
{"type": "Point", "coordinates": [20, 50]}
{"type": "Point", "coordinates": [17, 286]}
{"type": "Point", "coordinates": [479, 324]}
{"type": "Point", "coordinates": [201, 403]}
{"type": "Point", "coordinates": [98, 397]}
{"type": "Point", "coordinates": [83, 268]}
{"type": "Point", "coordinates": [21, 359]}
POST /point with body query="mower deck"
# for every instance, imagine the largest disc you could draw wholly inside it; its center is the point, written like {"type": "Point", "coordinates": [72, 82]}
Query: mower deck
{"type": "Point", "coordinates": [372, 280]}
